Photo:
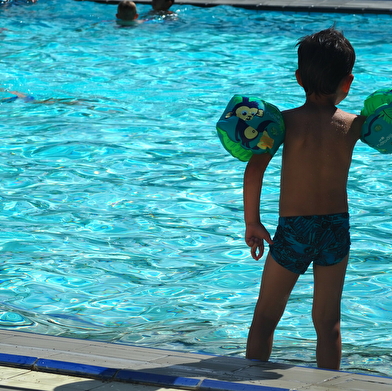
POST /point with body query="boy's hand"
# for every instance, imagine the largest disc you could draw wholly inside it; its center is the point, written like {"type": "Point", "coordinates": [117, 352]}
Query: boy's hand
{"type": "Point", "coordinates": [255, 235]}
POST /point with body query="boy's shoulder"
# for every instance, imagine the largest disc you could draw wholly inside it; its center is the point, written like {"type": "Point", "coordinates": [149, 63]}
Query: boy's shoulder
{"type": "Point", "coordinates": [355, 121]}
{"type": "Point", "coordinates": [303, 119]}
{"type": "Point", "coordinates": [304, 112]}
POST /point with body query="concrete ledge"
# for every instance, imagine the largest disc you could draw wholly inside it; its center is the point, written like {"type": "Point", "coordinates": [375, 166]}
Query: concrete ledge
{"type": "Point", "coordinates": [111, 362]}
{"type": "Point", "coordinates": [126, 376]}
{"type": "Point", "coordinates": [340, 6]}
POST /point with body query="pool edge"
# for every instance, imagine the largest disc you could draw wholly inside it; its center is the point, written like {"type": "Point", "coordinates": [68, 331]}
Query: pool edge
{"type": "Point", "coordinates": [168, 369]}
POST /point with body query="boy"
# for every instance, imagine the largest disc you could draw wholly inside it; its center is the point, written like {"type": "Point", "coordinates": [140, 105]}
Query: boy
{"type": "Point", "coordinates": [126, 12]}
{"type": "Point", "coordinates": [313, 210]}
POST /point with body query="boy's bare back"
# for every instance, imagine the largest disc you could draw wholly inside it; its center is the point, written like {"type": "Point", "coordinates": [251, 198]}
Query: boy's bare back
{"type": "Point", "coordinates": [318, 147]}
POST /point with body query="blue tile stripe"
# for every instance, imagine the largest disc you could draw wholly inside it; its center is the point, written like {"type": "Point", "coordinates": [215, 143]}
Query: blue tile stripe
{"type": "Point", "coordinates": [125, 375]}
{"type": "Point", "coordinates": [131, 376]}
{"type": "Point", "coordinates": [18, 361]}
{"type": "Point", "coordinates": [216, 385]}
{"type": "Point", "coordinates": [73, 369]}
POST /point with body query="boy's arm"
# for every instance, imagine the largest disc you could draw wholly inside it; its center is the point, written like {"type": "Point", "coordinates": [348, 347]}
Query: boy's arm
{"type": "Point", "coordinates": [255, 233]}
{"type": "Point", "coordinates": [18, 94]}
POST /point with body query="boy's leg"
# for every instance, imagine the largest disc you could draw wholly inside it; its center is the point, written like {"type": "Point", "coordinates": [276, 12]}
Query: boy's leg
{"type": "Point", "coordinates": [328, 287]}
{"type": "Point", "coordinates": [276, 286]}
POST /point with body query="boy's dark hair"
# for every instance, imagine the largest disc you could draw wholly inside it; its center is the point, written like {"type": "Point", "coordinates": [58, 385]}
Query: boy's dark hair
{"type": "Point", "coordinates": [324, 59]}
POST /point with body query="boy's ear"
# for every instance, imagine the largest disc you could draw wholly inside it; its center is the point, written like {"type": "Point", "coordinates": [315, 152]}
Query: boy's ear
{"type": "Point", "coordinates": [346, 83]}
{"type": "Point", "coordinates": [298, 77]}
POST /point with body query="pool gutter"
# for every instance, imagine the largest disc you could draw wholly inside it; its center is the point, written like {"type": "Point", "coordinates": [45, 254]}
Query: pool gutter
{"type": "Point", "coordinates": [323, 6]}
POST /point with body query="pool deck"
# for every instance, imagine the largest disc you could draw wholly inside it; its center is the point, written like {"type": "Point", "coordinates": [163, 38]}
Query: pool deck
{"type": "Point", "coordinates": [33, 362]}
{"type": "Point", "coordinates": [344, 6]}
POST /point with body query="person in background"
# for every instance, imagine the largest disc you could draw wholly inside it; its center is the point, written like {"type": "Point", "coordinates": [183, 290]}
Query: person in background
{"type": "Point", "coordinates": [127, 13]}
{"type": "Point", "coordinates": [161, 7]}
{"type": "Point", "coordinates": [30, 99]}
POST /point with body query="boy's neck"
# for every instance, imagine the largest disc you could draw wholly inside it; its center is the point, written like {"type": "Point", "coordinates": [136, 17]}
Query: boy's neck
{"type": "Point", "coordinates": [322, 101]}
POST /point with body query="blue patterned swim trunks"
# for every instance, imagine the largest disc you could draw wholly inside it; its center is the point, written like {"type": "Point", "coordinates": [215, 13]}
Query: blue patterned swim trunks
{"type": "Point", "coordinates": [301, 240]}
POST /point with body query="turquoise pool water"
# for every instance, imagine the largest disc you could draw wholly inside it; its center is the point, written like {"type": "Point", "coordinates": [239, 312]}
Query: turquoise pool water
{"type": "Point", "coordinates": [122, 214]}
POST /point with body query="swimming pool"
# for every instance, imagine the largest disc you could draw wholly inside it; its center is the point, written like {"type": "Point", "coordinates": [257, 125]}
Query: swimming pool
{"type": "Point", "coordinates": [122, 214]}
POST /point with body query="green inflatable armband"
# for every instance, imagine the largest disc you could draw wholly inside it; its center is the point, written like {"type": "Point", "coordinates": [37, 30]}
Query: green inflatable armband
{"type": "Point", "coordinates": [250, 126]}
{"type": "Point", "coordinates": [377, 129]}
{"type": "Point", "coordinates": [375, 100]}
